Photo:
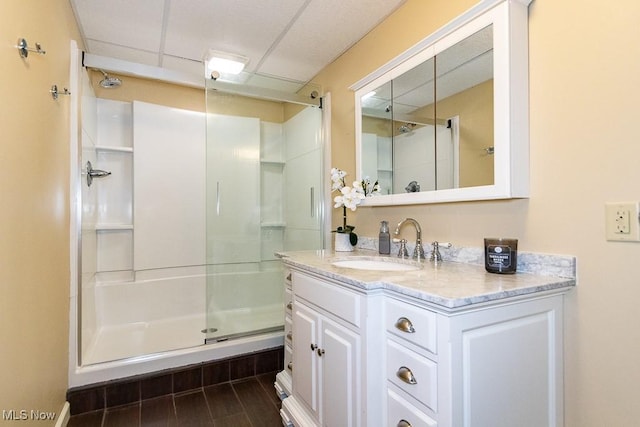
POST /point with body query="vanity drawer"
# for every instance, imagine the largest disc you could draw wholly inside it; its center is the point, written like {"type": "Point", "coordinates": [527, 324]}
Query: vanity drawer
{"type": "Point", "coordinates": [413, 373]}
{"type": "Point", "coordinates": [399, 410]}
{"type": "Point", "coordinates": [414, 324]}
{"type": "Point", "coordinates": [332, 298]}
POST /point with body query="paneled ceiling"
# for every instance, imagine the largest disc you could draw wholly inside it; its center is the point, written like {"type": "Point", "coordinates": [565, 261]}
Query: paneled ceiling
{"type": "Point", "coordinates": [285, 40]}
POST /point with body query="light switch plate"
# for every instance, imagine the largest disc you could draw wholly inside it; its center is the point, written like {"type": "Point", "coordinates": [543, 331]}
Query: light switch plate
{"type": "Point", "coordinates": [622, 221]}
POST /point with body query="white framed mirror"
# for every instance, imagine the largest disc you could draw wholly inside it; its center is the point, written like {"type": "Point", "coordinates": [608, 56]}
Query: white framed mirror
{"type": "Point", "coordinates": [447, 120]}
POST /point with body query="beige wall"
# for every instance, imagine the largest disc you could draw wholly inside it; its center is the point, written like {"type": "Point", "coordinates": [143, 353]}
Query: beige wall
{"type": "Point", "coordinates": [585, 146]}
{"type": "Point", "coordinates": [34, 211]}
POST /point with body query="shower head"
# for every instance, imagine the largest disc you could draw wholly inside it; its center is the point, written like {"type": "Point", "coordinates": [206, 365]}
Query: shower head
{"type": "Point", "coordinates": [109, 82]}
{"type": "Point", "coordinates": [406, 128]}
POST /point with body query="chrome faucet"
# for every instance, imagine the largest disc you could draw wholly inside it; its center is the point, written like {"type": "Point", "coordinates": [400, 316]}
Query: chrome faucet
{"type": "Point", "coordinates": [418, 252]}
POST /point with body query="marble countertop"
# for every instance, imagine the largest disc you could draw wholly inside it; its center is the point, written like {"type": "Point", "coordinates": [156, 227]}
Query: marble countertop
{"type": "Point", "coordinates": [450, 285]}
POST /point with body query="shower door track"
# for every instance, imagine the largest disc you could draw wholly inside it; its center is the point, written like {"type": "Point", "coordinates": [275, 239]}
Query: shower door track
{"type": "Point", "coordinates": [241, 334]}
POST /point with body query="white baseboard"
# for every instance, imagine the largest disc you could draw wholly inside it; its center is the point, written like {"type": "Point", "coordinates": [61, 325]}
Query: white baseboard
{"type": "Point", "coordinates": [63, 418]}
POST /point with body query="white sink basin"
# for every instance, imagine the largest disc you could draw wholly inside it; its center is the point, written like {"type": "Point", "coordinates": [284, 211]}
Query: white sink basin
{"type": "Point", "coordinates": [377, 264]}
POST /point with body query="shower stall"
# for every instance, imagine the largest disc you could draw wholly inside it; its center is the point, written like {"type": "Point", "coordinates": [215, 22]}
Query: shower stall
{"type": "Point", "coordinates": [180, 214]}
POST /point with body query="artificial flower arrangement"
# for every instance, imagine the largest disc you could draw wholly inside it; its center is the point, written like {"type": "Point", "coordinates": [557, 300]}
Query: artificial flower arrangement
{"type": "Point", "coordinates": [350, 197]}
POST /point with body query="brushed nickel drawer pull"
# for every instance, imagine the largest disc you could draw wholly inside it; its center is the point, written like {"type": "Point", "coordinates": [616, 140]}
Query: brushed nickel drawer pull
{"type": "Point", "coordinates": [288, 277]}
{"type": "Point", "coordinates": [405, 325]}
{"type": "Point", "coordinates": [404, 423]}
{"type": "Point", "coordinates": [406, 375]}
{"type": "Point", "coordinates": [290, 305]}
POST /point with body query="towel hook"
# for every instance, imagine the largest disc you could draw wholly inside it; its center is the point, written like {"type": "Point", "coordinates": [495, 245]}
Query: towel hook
{"type": "Point", "coordinates": [24, 49]}
{"type": "Point", "coordinates": [55, 93]}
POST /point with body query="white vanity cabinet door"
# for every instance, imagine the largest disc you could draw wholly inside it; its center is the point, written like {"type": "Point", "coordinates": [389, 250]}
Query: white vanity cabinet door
{"type": "Point", "coordinates": [305, 343]}
{"type": "Point", "coordinates": [340, 350]}
{"type": "Point", "coordinates": [326, 371]}
{"type": "Point", "coordinates": [506, 365]}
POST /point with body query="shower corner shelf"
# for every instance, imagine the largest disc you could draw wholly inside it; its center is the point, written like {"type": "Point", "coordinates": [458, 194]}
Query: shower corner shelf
{"type": "Point", "coordinates": [114, 149]}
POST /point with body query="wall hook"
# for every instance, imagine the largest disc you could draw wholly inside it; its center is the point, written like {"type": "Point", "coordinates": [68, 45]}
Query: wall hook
{"type": "Point", "coordinates": [24, 49]}
{"type": "Point", "coordinates": [54, 92]}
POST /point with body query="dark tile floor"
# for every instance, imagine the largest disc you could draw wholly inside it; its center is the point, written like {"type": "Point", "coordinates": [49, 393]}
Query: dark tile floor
{"type": "Point", "coordinates": [250, 402]}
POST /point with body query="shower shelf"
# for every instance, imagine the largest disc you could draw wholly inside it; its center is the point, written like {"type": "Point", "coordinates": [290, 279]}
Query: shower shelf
{"type": "Point", "coordinates": [273, 224]}
{"type": "Point", "coordinates": [114, 149]}
{"type": "Point", "coordinates": [113, 227]}
{"type": "Point", "coordinates": [272, 162]}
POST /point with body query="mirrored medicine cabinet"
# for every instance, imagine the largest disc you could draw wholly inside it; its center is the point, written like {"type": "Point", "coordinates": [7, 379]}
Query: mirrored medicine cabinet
{"type": "Point", "coordinates": [447, 120]}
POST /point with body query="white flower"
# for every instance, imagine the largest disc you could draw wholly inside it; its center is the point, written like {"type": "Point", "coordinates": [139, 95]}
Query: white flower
{"type": "Point", "coordinates": [337, 179]}
{"type": "Point", "coordinates": [350, 197]}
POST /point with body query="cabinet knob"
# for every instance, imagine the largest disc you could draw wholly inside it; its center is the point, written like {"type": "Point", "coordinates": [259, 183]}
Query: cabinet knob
{"type": "Point", "coordinates": [290, 336]}
{"type": "Point", "coordinates": [406, 375]}
{"type": "Point", "coordinates": [290, 366]}
{"type": "Point", "coordinates": [320, 352]}
{"type": "Point", "coordinates": [404, 423]}
{"type": "Point", "coordinates": [290, 305]}
{"type": "Point", "coordinates": [313, 347]}
{"type": "Point", "coordinates": [405, 325]}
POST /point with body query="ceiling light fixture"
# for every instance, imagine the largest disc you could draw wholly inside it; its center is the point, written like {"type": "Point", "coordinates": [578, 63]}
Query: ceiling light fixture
{"type": "Point", "coordinates": [224, 63]}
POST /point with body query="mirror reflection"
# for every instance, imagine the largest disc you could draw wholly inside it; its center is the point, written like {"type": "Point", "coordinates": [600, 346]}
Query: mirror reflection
{"type": "Point", "coordinates": [431, 128]}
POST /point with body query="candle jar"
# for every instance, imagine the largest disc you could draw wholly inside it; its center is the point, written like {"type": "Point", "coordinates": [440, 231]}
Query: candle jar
{"type": "Point", "coordinates": [500, 255]}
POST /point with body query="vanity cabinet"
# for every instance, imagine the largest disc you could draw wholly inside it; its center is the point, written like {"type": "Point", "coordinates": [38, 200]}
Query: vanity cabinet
{"type": "Point", "coordinates": [498, 365]}
{"type": "Point", "coordinates": [327, 354]}
{"type": "Point", "coordinates": [368, 352]}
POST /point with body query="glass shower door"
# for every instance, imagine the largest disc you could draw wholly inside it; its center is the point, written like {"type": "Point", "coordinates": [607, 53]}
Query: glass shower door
{"type": "Point", "coordinates": [250, 211]}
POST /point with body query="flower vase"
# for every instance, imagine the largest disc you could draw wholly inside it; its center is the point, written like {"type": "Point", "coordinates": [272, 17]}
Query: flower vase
{"type": "Point", "coordinates": [343, 243]}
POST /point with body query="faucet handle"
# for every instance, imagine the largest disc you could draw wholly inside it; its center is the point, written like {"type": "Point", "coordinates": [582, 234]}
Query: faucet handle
{"type": "Point", "coordinates": [402, 252]}
{"type": "Point", "coordinates": [436, 256]}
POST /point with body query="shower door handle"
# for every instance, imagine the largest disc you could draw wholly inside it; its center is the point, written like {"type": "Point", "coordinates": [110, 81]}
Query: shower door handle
{"type": "Point", "coordinates": [312, 194]}
{"type": "Point", "coordinates": [218, 198]}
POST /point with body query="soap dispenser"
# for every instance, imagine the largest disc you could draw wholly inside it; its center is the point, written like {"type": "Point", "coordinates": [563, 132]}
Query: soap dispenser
{"type": "Point", "coordinates": [384, 239]}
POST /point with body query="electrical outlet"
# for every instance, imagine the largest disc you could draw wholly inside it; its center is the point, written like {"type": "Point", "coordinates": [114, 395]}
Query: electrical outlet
{"type": "Point", "coordinates": [622, 221]}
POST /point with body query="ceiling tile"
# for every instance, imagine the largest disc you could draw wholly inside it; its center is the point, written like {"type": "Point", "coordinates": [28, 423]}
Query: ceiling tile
{"type": "Point", "coordinates": [325, 30]}
{"type": "Point", "coordinates": [244, 27]}
{"type": "Point", "coordinates": [127, 23]}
